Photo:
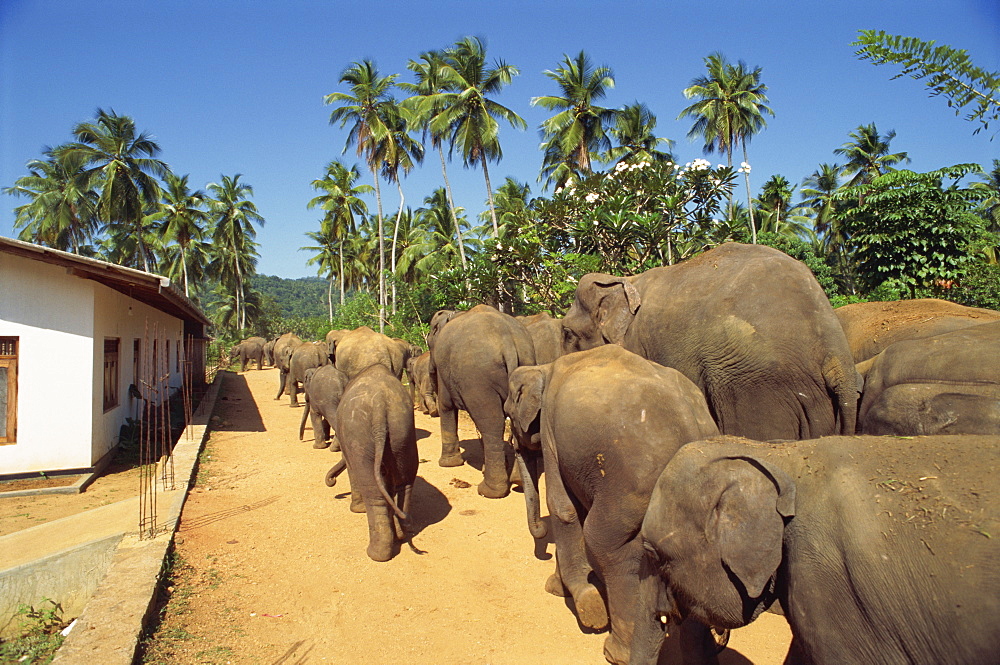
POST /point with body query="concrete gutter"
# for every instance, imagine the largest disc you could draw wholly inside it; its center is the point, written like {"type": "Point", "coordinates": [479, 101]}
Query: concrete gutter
{"type": "Point", "coordinates": [109, 629]}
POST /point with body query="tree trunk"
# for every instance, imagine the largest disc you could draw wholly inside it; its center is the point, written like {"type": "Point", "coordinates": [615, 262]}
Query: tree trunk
{"type": "Point", "coordinates": [489, 198]}
{"type": "Point", "coordinates": [184, 267]}
{"type": "Point", "coordinates": [451, 208]}
{"type": "Point", "coordinates": [746, 176]}
{"type": "Point", "coordinates": [329, 297]}
{"type": "Point", "coordinates": [395, 233]}
{"type": "Point", "coordinates": [381, 256]}
{"type": "Point", "coordinates": [340, 250]}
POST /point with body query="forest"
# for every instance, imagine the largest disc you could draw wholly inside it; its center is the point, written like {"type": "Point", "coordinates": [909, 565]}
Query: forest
{"type": "Point", "coordinates": [614, 198]}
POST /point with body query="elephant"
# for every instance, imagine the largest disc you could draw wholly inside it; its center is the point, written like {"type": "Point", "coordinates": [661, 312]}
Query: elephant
{"type": "Point", "coordinates": [877, 548]}
{"type": "Point", "coordinates": [947, 384]}
{"type": "Point", "coordinates": [323, 388]}
{"type": "Point", "coordinates": [871, 327]}
{"type": "Point", "coordinates": [378, 437]}
{"type": "Point", "coordinates": [747, 323]}
{"type": "Point", "coordinates": [363, 347]}
{"type": "Point", "coordinates": [252, 348]}
{"type": "Point", "coordinates": [282, 356]}
{"type": "Point", "coordinates": [301, 358]}
{"type": "Point", "coordinates": [418, 371]}
{"type": "Point", "coordinates": [269, 352]}
{"type": "Point", "coordinates": [333, 338]}
{"type": "Point", "coordinates": [472, 357]}
{"type": "Point", "coordinates": [546, 335]}
{"type": "Point", "coordinates": [607, 422]}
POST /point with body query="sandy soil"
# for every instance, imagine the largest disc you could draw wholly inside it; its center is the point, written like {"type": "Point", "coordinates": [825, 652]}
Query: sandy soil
{"type": "Point", "coordinates": [271, 564]}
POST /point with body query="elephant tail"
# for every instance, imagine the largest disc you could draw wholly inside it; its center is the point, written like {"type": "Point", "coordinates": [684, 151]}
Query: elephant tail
{"type": "Point", "coordinates": [844, 383]}
{"type": "Point", "coordinates": [381, 441]}
{"type": "Point", "coordinates": [336, 470]}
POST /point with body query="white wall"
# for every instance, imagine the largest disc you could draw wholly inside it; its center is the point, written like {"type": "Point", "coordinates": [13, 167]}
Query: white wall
{"type": "Point", "coordinates": [52, 314]}
{"type": "Point", "coordinates": [114, 319]}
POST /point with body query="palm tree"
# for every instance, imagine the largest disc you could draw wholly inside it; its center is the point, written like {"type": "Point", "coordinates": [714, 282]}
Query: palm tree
{"type": "Point", "coordinates": [233, 233]}
{"type": "Point", "coordinates": [342, 201]}
{"type": "Point", "coordinates": [62, 209]}
{"type": "Point", "coordinates": [424, 105]}
{"type": "Point", "coordinates": [579, 128]}
{"type": "Point", "coordinates": [817, 192]}
{"type": "Point", "coordinates": [326, 249]}
{"type": "Point", "coordinates": [868, 154]}
{"type": "Point", "coordinates": [467, 116]}
{"type": "Point", "coordinates": [399, 151]}
{"type": "Point", "coordinates": [122, 163]}
{"type": "Point", "coordinates": [633, 132]}
{"type": "Point", "coordinates": [730, 110]}
{"type": "Point", "coordinates": [439, 247]}
{"type": "Point", "coordinates": [512, 199]}
{"type": "Point", "coordinates": [183, 220]}
{"type": "Point", "coordinates": [364, 107]}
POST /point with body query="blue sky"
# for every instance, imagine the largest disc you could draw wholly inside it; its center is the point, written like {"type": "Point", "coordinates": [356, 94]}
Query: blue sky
{"type": "Point", "coordinates": [229, 86]}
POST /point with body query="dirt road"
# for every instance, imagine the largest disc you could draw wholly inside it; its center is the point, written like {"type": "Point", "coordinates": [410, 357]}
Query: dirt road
{"type": "Point", "coordinates": [273, 566]}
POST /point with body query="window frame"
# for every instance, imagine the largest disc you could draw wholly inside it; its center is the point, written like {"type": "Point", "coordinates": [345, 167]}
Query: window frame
{"type": "Point", "coordinates": [115, 393]}
{"type": "Point", "coordinates": [9, 360]}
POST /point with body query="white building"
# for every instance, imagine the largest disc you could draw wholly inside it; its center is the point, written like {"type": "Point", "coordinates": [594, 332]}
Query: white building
{"type": "Point", "coordinates": [74, 333]}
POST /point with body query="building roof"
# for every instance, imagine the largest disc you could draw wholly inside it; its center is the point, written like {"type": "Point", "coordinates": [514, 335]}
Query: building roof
{"type": "Point", "coordinates": [146, 287]}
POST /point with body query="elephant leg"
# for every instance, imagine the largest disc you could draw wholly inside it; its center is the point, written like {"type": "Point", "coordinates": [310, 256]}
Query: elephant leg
{"type": "Point", "coordinates": [381, 534]}
{"type": "Point", "coordinates": [617, 560]}
{"type": "Point", "coordinates": [334, 442]}
{"type": "Point", "coordinates": [451, 454]}
{"type": "Point", "coordinates": [320, 430]}
{"type": "Point", "coordinates": [293, 391]}
{"type": "Point", "coordinates": [490, 421]}
{"type": "Point", "coordinates": [357, 498]}
{"type": "Point", "coordinates": [572, 566]}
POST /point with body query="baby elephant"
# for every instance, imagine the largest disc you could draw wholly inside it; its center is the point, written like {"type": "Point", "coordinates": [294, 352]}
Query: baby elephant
{"type": "Point", "coordinates": [323, 387]}
{"type": "Point", "coordinates": [376, 432]}
{"type": "Point", "coordinates": [879, 549]}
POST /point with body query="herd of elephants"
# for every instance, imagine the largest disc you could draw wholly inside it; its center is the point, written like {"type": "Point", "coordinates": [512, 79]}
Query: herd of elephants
{"type": "Point", "coordinates": [716, 439]}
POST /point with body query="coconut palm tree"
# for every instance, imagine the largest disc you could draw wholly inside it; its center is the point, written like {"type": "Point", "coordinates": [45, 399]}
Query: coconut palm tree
{"type": "Point", "coordinates": [439, 247]}
{"type": "Point", "coordinates": [183, 219]}
{"type": "Point", "coordinates": [233, 233]}
{"type": "Point", "coordinates": [122, 163]}
{"type": "Point", "coordinates": [327, 251]}
{"type": "Point", "coordinates": [817, 193]}
{"type": "Point", "coordinates": [633, 132]}
{"type": "Point", "coordinates": [341, 199]}
{"type": "Point", "coordinates": [868, 154]}
{"type": "Point", "coordinates": [62, 212]}
{"type": "Point", "coordinates": [729, 110]}
{"type": "Point", "coordinates": [364, 107]}
{"type": "Point", "coordinates": [468, 117]}
{"type": "Point", "coordinates": [579, 129]}
{"type": "Point", "coordinates": [424, 105]}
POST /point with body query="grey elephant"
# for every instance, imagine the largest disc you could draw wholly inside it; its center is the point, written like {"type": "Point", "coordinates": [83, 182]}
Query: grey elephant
{"type": "Point", "coordinates": [748, 324]}
{"type": "Point", "coordinates": [879, 549]}
{"type": "Point", "coordinates": [472, 357]}
{"type": "Point", "coordinates": [323, 388]}
{"type": "Point", "coordinates": [607, 422]}
{"type": "Point", "coordinates": [546, 336]}
{"type": "Point", "coordinates": [299, 359]}
{"type": "Point", "coordinates": [418, 371]}
{"type": "Point", "coordinates": [250, 349]}
{"type": "Point", "coordinates": [363, 347]}
{"type": "Point", "coordinates": [947, 384]}
{"type": "Point", "coordinates": [871, 327]}
{"type": "Point", "coordinates": [282, 357]}
{"type": "Point", "coordinates": [377, 434]}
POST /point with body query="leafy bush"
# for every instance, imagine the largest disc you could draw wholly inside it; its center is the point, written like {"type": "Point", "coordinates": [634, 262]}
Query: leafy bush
{"type": "Point", "coordinates": [40, 635]}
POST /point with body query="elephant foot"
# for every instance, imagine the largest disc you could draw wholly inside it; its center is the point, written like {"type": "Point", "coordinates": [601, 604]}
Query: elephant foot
{"type": "Point", "coordinates": [590, 608]}
{"type": "Point", "coordinates": [555, 586]}
{"type": "Point", "coordinates": [491, 492]}
{"type": "Point", "coordinates": [357, 505]}
{"type": "Point", "coordinates": [380, 550]}
{"type": "Point", "coordinates": [334, 444]}
{"type": "Point", "coordinates": [615, 651]}
{"type": "Point", "coordinates": [454, 459]}
{"type": "Point", "coordinates": [319, 445]}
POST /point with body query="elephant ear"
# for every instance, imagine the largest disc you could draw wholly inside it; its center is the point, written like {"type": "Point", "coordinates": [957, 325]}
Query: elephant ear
{"type": "Point", "coordinates": [746, 523]}
{"type": "Point", "coordinates": [526, 387]}
{"type": "Point", "coordinates": [615, 302]}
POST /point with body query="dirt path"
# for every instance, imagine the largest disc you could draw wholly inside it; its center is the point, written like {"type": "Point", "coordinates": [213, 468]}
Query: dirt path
{"type": "Point", "coordinates": [273, 566]}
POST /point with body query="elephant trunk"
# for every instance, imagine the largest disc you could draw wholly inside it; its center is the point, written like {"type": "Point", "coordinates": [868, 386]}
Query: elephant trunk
{"type": "Point", "coordinates": [302, 424]}
{"type": "Point", "coordinates": [529, 478]}
{"type": "Point", "coordinates": [336, 470]}
{"type": "Point", "coordinates": [650, 631]}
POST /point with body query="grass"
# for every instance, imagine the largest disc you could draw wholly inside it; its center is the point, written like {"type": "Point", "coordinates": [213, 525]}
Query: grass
{"type": "Point", "coordinates": [39, 638]}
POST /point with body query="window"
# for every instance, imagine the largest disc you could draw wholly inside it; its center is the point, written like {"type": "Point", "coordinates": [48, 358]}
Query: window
{"type": "Point", "coordinates": [111, 391]}
{"type": "Point", "coordinates": [8, 389]}
{"type": "Point", "coordinates": [167, 362]}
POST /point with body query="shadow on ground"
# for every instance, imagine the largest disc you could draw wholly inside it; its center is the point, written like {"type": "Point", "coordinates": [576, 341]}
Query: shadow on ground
{"type": "Point", "coordinates": [236, 408]}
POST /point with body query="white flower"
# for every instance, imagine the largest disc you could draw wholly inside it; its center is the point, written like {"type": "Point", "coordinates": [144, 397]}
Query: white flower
{"type": "Point", "coordinates": [745, 167]}
{"type": "Point", "coordinates": [621, 166]}
{"type": "Point", "coordinates": [593, 196]}
{"type": "Point", "coordinates": [720, 166]}
{"type": "Point", "coordinates": [558, 189]}
{"type": "Point", "coordinates": [499, 247]}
